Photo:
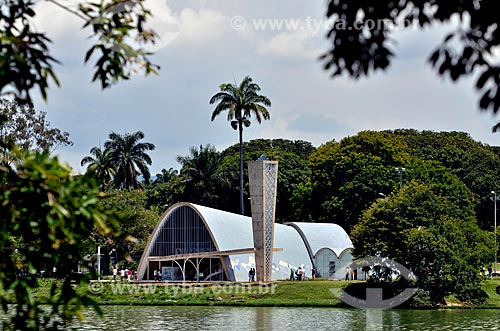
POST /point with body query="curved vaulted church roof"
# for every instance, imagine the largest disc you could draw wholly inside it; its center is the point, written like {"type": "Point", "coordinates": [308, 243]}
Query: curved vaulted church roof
{"type": "Point", "coordinates": [230, 231]}
{"type": "Point", "coordinates": [323, 235]}
{"type": "Point", "coordinates": [215, 230]}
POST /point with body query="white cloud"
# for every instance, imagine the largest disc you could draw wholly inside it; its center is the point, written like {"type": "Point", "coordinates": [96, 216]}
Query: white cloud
{"type": "Point", "coordinates": [60, 23]}
{"type": "Point", "coordinates": [293, 44]}
{"type": "Point", "coordinates": [203, 26]}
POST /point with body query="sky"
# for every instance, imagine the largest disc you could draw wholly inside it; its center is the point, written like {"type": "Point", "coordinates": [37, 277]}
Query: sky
{"type": "Point", "coordinates": [205, 43]}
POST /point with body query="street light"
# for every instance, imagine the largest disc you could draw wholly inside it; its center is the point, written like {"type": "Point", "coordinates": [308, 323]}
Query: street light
{"type": "Point", "coordinates": [116, 255]}
{"type": "Point", "coordinates": [495, 198]}
{"type": "Point", "coordinates": [400, 171]}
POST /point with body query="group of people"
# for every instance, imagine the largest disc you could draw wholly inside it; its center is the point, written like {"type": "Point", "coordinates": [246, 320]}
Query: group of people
{"type": "Point", "coordinates": [251, 275]}
{"type": "Point", "coordinates": [300, 273]}
{"type": "Point", "coordinates": [125, 273]}
{"type": "Point", "coordinates": [350, 273]}
{"type": "Point", "coordinates": [157, 275]}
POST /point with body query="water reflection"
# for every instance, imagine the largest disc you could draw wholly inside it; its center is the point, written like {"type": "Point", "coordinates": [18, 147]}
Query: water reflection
{"type": "Point", "coordinates": [248, 318]}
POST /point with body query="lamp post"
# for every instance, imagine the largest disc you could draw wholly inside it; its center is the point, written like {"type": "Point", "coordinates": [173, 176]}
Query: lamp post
{"type": "Point", "coordinates": [400, 171]}
{"type": "Point", "coordinates": [495, 198]}
{"type": "Point", "coordinates": [116, 255]}
{"type": "Point", "coordinates": [99, 262]}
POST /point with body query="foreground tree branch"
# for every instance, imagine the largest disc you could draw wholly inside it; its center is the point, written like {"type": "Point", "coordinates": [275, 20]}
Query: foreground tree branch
{"type": "Point", "coordinates": [118, 28]}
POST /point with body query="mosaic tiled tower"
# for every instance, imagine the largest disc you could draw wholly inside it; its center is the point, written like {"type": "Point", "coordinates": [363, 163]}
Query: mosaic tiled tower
{"type": "Point", "coordinates": [263, 177]}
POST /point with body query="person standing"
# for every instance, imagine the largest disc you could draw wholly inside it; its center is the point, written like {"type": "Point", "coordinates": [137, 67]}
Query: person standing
{"type": "Point", "coordinates": [313, 273]}
{"type": "Point", "coordinates": [300, 273]}
{"type": "Point", "coordinates": [347, 272]}
{"type": "Point", "coordinates": [122, 275]}
{"type": "Point", "coordinates": [115, 272]}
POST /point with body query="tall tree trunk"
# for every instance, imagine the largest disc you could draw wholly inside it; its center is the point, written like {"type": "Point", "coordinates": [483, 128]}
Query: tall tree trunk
{"type": "Point", "coordinates": [242, 206]}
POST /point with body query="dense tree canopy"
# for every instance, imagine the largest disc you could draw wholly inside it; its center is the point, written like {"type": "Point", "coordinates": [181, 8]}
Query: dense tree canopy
{"type": "Point", "coordinates": [201, 175]}
{"type": "Point", "coordinates": [432, 231]}
{"type": "Point", "coordinates": [347, 176]}
{"type": "Point", "coordinates": [300, 148]}
{"type": "Point", "coordinates": [133, 218]}
{"type": "Point", "coordinates": [361, 39]}
{"type": "Point", "coordinates": [474, 163]}
{"type": "Point", "coordinates": [164, 189]}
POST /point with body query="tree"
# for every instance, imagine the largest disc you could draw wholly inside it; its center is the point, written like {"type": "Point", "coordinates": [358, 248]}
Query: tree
{"type": "Point", "coordinates": [433, 233]}
{"type": "Point", "coordinates": [129, 158]}
{"type": "Point", "coordinates": [120, 34]}
{"type": "Point", "coordinates": [347, 176]}
{"type": "Point", "coordinates": [474, 163]}
{"type": "Point", "coordinates": [23, 126]}
{"type": "Point", "coordinates": [293, 171]}
{"type": "Point", "coordinates": [200, 175]}
{"type": "Point", "coordinates": [164, 190]}
{"type": "Point", "coordinates": [361, 31]}
{"type": "Point", "coordinates": [100, 165]}
{"type": "Point", "coordinates": [47, 218]}
{"type": "Point", "coordinates": [135, 219]}
{"type": "Point", "coordinates": [166, 175]}
{"type": "Point", "coordinates": [241, 102]}
{"type": "Point", "coordinates": [300, 148]}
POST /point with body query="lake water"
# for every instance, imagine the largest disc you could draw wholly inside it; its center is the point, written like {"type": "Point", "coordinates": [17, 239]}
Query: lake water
{"type": "Point", "coordinates": [248, 318]}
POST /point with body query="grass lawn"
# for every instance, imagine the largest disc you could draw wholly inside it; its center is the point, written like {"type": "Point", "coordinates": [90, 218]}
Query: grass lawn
{"type": "Point", "coordinates": [494, 298]}
{"type": "Point", "coordinates": [317, 293]}
{"type": "Point", "coordinates": [280, 293]}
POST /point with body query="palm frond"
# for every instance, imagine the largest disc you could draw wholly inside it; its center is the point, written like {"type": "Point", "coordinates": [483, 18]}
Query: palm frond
{"type": "Point", "coordinates": [220, 96]}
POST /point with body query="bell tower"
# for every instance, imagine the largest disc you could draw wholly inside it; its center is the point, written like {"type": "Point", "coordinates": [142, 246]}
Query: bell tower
{"type": "Point", "coordinates": [263, 178]}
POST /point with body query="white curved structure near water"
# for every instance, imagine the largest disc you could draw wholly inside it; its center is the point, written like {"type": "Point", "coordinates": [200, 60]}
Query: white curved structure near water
{"type": "Point", "coordinates": [198, 243]}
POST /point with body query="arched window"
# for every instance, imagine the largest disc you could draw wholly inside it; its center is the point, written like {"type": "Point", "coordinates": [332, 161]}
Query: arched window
{"type": "Point", "coordinates": [183, 232]}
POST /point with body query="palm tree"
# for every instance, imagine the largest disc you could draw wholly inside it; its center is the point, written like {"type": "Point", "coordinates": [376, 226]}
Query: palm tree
{"type": "Point", "coordinates": [241, 102]}
{"type": "Point", "coordinates": [100, 165]}
{"type": "Point", "coordinates": [129, 158]}
{"type": "Point", "coordinates": [201, 175]}
{"type": "Point", "coordinates": [165, 175]}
